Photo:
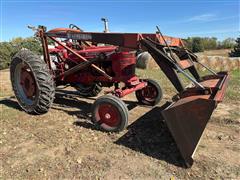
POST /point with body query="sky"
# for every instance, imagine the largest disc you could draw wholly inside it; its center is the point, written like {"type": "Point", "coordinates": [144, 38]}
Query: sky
{"type": "Point", "coordinates": [204, 18]}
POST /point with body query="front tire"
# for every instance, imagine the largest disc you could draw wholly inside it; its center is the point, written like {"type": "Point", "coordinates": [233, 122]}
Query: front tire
{"type": "Point", "coordinates": [32, 82]}
{"type": "Point", "coordinates": [110, 113]}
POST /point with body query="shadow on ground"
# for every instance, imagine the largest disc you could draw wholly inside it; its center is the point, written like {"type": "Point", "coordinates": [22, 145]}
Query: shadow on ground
{"type": "Point", "coordinates": [65, 100]}
{"type": "Point", "coordinates": [149, 135]}
{"type": "Point", "coordinates": [11, 102]}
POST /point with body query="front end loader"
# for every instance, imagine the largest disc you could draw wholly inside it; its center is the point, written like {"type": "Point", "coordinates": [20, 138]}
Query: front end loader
{"type": "Point", "coordinates": [89, 61]}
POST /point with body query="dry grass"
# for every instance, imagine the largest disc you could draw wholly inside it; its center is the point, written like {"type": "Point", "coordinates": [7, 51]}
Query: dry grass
{"type": "Point", "coordinates": [218, 52]}
{"type": "Point", "coordinates": [64, 144]}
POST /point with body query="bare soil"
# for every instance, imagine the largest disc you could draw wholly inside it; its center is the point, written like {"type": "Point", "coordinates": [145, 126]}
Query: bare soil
{"type": "Point", "coordinates": [65, 144]}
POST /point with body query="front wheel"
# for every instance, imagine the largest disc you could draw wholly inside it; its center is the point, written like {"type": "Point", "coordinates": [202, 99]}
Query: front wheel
{"type": "Point", "coordinates": [151, 94]}
{"type": "Point", "coordinates": [110, 113]}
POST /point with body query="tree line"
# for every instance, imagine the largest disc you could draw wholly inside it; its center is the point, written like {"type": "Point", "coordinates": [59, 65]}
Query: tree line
{"type": "Point", "coordinates": [196, 44]}
{"type": "Point", "coordinates": [8, 49]}
{"type": "Point", "coordinates": [199, 44]}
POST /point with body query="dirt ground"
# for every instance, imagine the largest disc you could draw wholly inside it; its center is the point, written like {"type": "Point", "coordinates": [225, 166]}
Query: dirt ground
{"type": "Point", "coordinates": [64, 143]}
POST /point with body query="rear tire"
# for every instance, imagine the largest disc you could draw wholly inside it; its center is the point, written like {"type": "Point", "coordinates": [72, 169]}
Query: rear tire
{"type": "Point", "coordinates": [110, 113]}
{"type": "Point", "coordinates": [151, 94]}
{"type": "Point", "coordinates": [32, 82]}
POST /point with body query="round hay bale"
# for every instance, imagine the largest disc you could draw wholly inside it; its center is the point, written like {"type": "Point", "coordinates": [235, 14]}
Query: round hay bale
{"type": "Point", "coordinates": [225, 64]}
{"type": "Point", "coordinates": [198, 66]}
{"type": "Point", "coordinates": [235, 63]}
{"type": "Point", "coordinates": [231, 64]}
{"type": "Point", "coordinates": [211, 59]}
{"type": "Point", "coordinates": [214, 63]}
{"type": "Point", "coordinates": [143, 60]}
{"type": "Point", "coordinates": [152, 64]}
{"type": "Point", "coordinates": [203, 60]}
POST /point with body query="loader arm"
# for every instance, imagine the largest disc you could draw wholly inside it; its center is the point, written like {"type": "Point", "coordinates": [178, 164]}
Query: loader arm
{"type": "Point", "coordinates": [190, 112]}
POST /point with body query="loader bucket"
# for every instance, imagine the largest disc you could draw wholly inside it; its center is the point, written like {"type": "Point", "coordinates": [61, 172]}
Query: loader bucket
{"type": "Point", "coordinates": [187, 117]}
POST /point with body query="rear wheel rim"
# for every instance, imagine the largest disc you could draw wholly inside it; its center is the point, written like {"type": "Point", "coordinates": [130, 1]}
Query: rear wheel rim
{"type": "Point", "coordinates": [25, 83]}
{"type": "Point", "coordinates": [149, 93]}
{"type": "Point", "coordinates": [107, 114]}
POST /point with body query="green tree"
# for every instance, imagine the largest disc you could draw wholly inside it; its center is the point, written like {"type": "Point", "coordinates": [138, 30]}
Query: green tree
{"type": "Point", "coordinates": [8, 49]}
{"type": "Point", "coordinates": [197, 44]}
{"type": "Point", "coordinates": [188, 43]}
{"type": "Point", "coordinates": [29, 43]}
{"type": "Point", "coordinates": [236, 50]}
{"type": "Point", "coordinates": [228, 43]}
{"type": "Point", "coordinates": [209, 43]}
{"type": "Point", "coordinates": [6, 52]}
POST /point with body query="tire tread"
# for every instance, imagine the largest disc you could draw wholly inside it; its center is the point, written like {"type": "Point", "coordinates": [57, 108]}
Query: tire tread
{"type": "Point", "coordinates": [43, 78]}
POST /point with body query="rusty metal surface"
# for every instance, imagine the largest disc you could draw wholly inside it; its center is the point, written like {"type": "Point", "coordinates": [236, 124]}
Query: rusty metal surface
{"type": "Point", "coordinates": [186, 121]}
{"type": "Point", "coordinates": [210, 83]}
{"type": "Point", "coordinates": [130, 40]}
{"type": "Point", "coordinates": [187, 117]}
{"type": "Point", "coordinates": [185, 64]}
{"type": "Point", "coordinates": [45, 47]}
{"type": "Point", "coordinates": [223, 86]}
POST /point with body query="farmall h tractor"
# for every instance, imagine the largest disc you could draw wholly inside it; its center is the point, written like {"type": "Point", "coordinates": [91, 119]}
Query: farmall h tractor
{"type": "Point", "coordinates": [90, 61]}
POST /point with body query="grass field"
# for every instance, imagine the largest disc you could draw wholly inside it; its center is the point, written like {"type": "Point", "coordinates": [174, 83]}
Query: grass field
{"type": "Point", "coordinates": [218, 52]}
{"type": "Point", "coordinates": [232, 94]}
{"type": "Point", "coordinates": [64, 144]}
{"type": "Point", "coordinates": [233, 91]}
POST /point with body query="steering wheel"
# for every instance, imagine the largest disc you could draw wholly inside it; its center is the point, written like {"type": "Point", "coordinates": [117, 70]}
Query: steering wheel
{"type": "Point", "coordinates": [73, 26]}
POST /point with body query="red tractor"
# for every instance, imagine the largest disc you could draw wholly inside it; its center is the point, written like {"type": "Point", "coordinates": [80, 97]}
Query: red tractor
{"type": "Point", "coordinates": [90, 61]}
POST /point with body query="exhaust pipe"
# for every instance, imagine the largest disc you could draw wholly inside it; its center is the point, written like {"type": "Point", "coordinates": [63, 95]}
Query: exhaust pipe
{"type": "Point", "coordinates": [105, 21]}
